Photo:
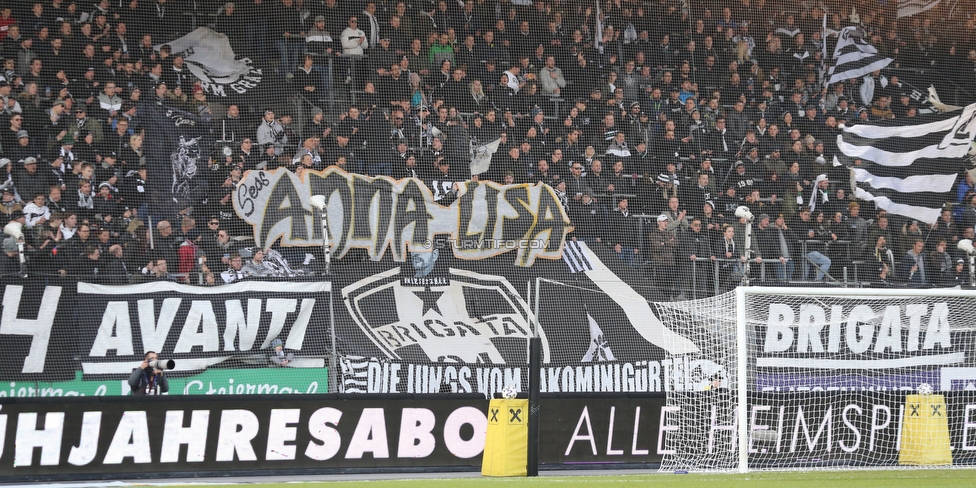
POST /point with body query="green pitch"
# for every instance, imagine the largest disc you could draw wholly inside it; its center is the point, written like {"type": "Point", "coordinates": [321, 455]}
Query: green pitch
{"type": "Point", "coordinates": [860, 479]}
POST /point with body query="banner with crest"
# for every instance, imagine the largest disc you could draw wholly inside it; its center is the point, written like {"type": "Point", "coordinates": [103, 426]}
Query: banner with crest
{"type": "Point", "coordinates": [433, 298]}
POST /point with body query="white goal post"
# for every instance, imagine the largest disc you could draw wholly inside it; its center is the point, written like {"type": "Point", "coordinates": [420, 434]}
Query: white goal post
{"type": "Point", "coordinates": [826, 378]}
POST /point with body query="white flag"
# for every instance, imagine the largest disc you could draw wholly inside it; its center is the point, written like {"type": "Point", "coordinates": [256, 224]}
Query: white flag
{"type": "Point", "coordinates": [481, 156]}
{"type": "Point", "coordinates": [907, 8]}
{"type": "Point", "coordinates": [599, 349]}
{"type": "Point", "coordinates": [211, 59]}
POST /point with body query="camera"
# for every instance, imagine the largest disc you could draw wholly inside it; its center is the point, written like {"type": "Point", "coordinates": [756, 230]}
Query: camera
{"type": "Point", "coordinates": [162, 364]}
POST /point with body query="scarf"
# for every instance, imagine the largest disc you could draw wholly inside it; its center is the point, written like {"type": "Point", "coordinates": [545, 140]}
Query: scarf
{"type": "Point", "coordinates": [85, 201]}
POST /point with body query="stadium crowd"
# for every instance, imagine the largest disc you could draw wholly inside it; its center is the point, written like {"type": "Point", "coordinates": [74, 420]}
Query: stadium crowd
{"type": "Point", "coordinates": [652, 131]}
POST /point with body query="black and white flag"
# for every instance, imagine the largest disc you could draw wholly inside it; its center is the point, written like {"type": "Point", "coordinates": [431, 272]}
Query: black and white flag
{"type": "Point", "coordinates": [908, 166]}
{"type": "Point", "coordinates": [854, 57]}
{"type": "Point", "coordinates": [576, 257]}
{"type": "Point", "coordinates": [178, 144]}
{"type": "Point", "coordinates": [591, 304]}
{"type": "Point", "coordinates": [907, 8]}
{"type": "Point", "coordinates": [211, 59]}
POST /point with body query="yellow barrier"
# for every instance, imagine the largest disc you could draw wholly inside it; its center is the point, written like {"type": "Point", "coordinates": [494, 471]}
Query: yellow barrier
{"type": "Point", "coordinates": [925, 431]}
{"type": "Point", "coordinates": [506, 442]}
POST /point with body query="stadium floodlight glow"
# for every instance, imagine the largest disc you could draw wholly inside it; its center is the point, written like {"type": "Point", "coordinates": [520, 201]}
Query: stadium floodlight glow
{"type": "Point", "coordinates": [743, 212]}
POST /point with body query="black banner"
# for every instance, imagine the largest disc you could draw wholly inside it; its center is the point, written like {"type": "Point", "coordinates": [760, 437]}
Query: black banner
{"type": "Point", "coordinates": [600, 430]}
{"type": "Point", "coordinates": [443, 323]}
{"type": "Point", "coordinates": [849, 428]}
{"type": "Point", "coordinates": [51, 332]}
{"type": "Point", "coordinates": [433, 290]}
{"type": "Point", "coordinates": [118, 437]}
{"type": "Point", "coordinates": [815, 429]}
{"type": "Point", "coordinates": [36, 329]}
{"type": "Point", "coordinates": [200, 327]}
{"type": "Point", "coordinates": [439, 324]}
{"type": "Point", "coordinates": [174, 435]}
{"type": "Point", "coordinates": [815, 342]}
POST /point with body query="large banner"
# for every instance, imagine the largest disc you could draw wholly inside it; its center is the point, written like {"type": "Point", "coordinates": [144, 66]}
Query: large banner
{"type": "Point", "coordinates": [119, 437]}
{"type": "Point", "coordinates": [249, 433]}
{"type": "Point", "coordinates": [846, 343]}
{"type": "Point", "coordinates": [380, 215]}
{"type": "Point", "coordinates": [435, 298]}
{"type": "Point", "coordinates": [71, 339]}
{"type": "Point", "coordinates": [178, 145]}
{"type": "Point", "coordinates": [201, 327]}
{"type": "Point", "coordinates": [244, 433]}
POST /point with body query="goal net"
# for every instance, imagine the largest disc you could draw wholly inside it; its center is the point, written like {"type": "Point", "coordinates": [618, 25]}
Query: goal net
{"type": "Point", "coordinates": [829, 379]}
{"type": "Point", "coordinates": [699, 421]}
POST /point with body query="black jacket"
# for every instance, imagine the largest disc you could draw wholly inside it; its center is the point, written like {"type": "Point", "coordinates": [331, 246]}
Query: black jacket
{"type": "Point", "coordinates": [624, 230]}
{"type": "Point", "coordinates": [696, 243]}
{"type": "Point", "coordinates": [139, 380]}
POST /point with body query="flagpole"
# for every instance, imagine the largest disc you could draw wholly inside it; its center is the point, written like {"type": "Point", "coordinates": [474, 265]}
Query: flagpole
{"type": "Point", "coordinates": [598, 25]}
{"type": "Point", "coordinates": [152, 244]}
{"type": "Point", "coordinates": [823, 54]}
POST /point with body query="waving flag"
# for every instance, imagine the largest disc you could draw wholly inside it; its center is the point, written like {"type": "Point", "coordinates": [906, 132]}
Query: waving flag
{"type": "Point", "coordinates": [854, 57]}
{"type": "Point", "coordinates": [907, 8]}
{"type": "Point", "coordinates": [211, 59]}
{"type": "Point", "coordinates": [908, 166]}
{"type": "Point", "coordinates": [481, 156]}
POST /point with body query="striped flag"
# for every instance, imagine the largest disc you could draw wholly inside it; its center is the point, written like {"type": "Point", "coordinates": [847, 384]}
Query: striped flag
{"type": "Point", "coordinates": [907, 8]}
{"type": "Point", "coordinates": [854, 57]}
{"type": "Point", "coordinates": [909, 165]}
{"type": "Point", "coordinates": [355, 372]}
{"type": "Point", "coordinates": [576, 257]}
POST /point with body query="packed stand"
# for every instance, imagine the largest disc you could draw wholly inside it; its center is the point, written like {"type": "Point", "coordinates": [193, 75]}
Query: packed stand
{"type": "Point", "coordinates": [652, 132]}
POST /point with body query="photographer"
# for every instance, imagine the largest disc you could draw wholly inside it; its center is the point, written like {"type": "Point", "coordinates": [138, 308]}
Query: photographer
{"type": "Point", "coordinates": [145, 380]}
